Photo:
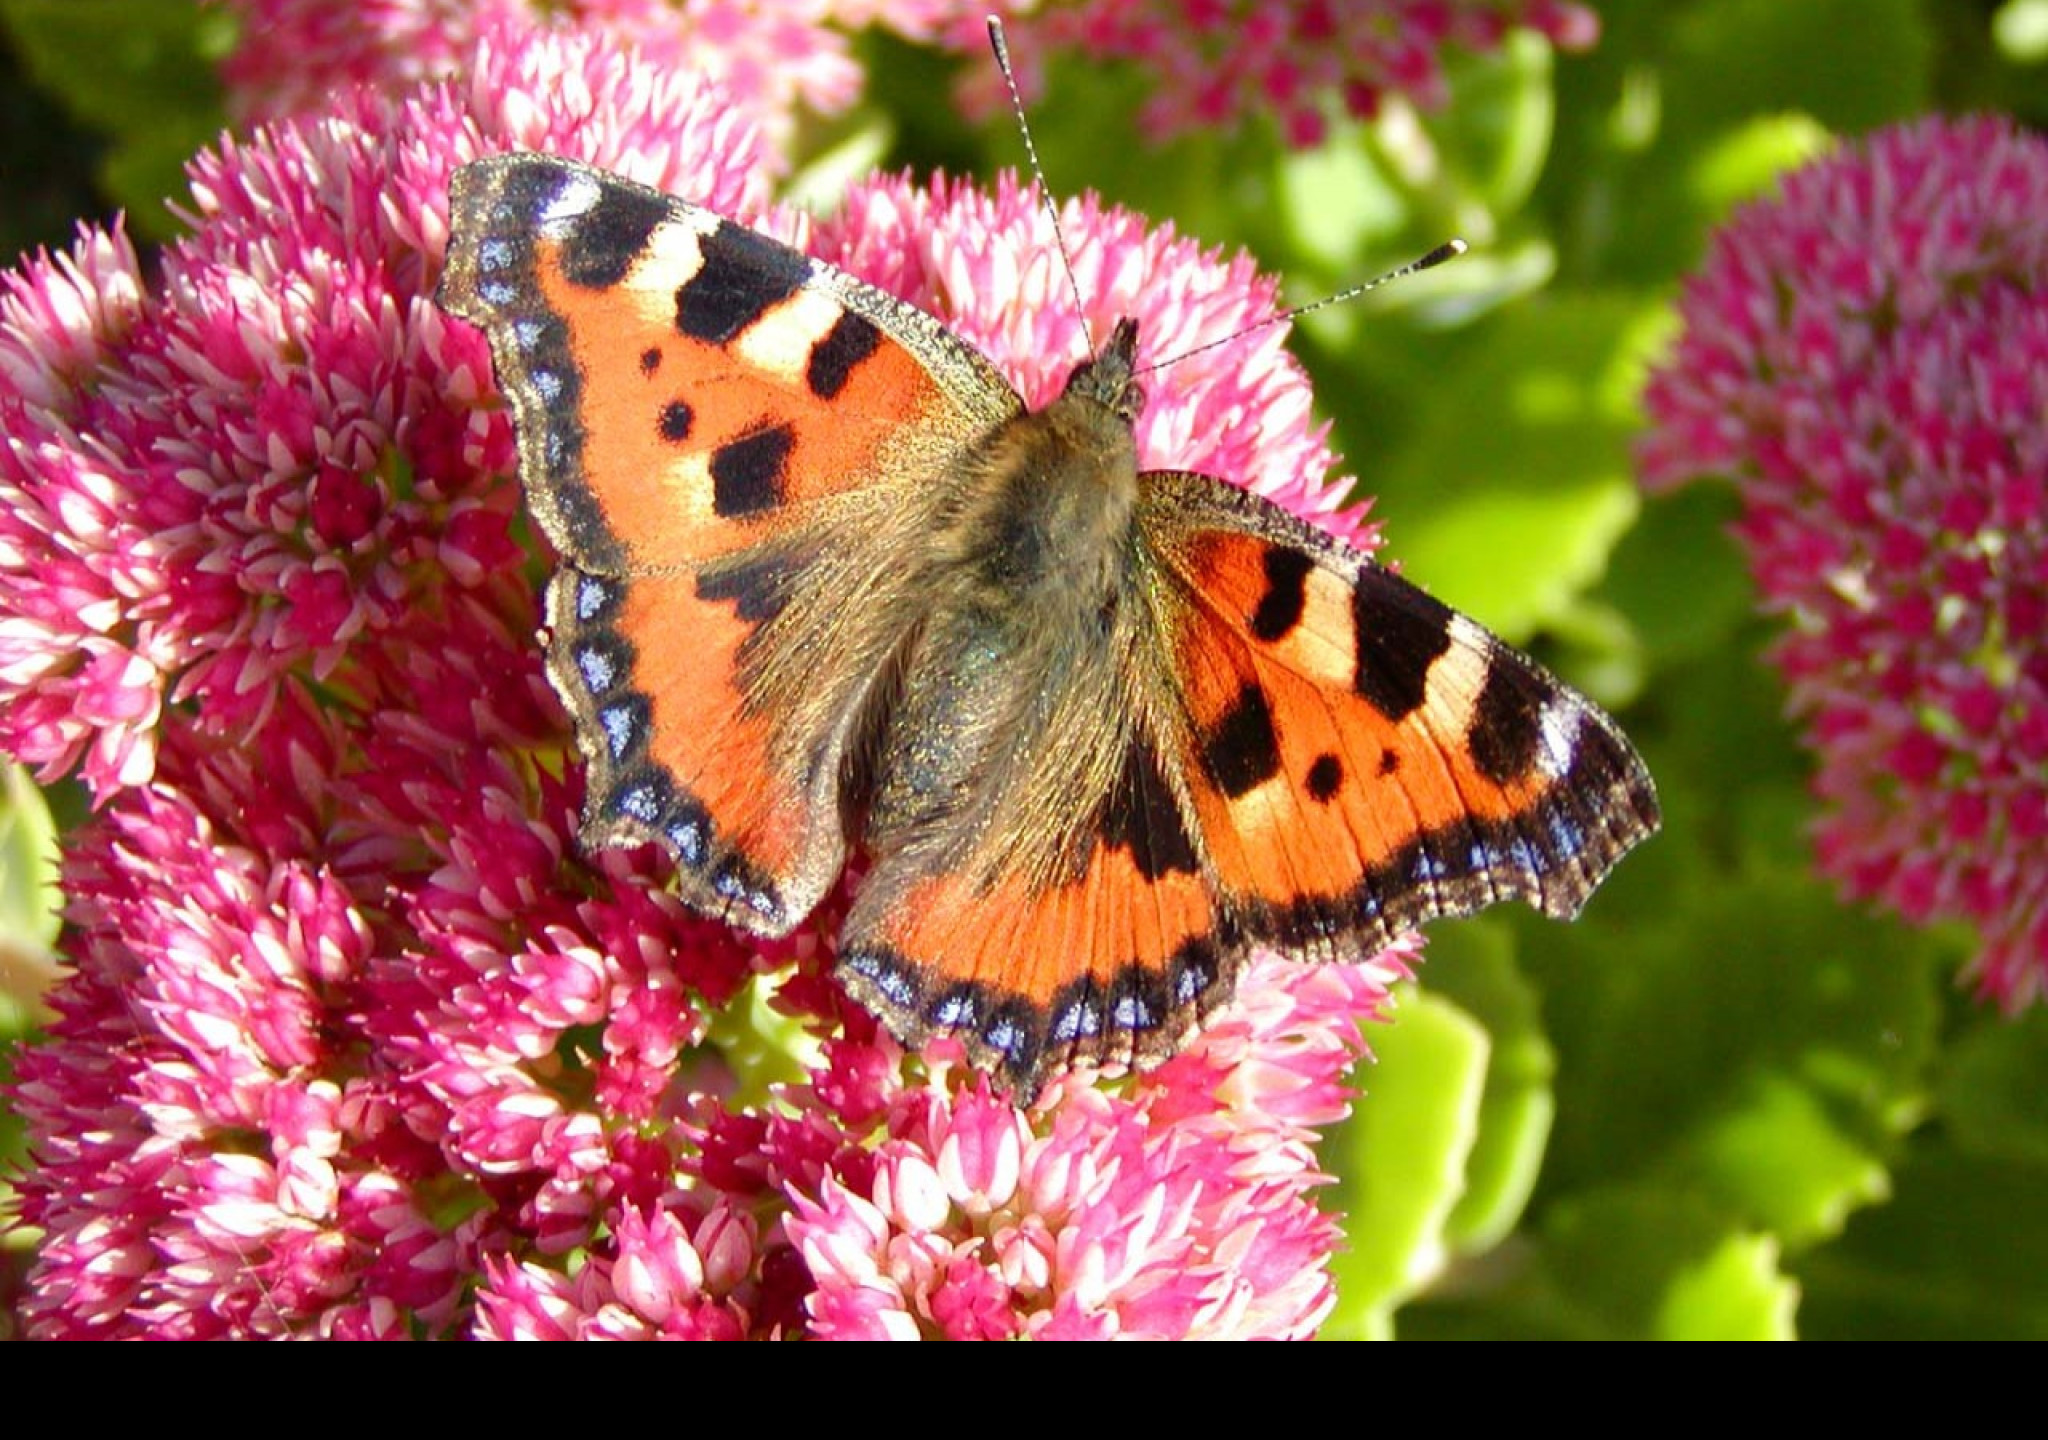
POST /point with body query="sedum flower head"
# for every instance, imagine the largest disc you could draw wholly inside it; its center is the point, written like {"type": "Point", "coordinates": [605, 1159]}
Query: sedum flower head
{"type": "Point", "coordinates": [1867, 357]}
{"type": "Point", "coordinates": [357, 1042]}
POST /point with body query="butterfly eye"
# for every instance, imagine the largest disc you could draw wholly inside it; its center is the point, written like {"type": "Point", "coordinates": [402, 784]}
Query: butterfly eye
{"type": "Point", "coordinates": [1107, 379]}
{"type": "Point", "coordinates": [1131, 404]}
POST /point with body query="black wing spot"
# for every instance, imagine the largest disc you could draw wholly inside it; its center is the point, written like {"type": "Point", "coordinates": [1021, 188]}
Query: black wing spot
{"type": "Point", "coordinates": [676, 419]}
{"type": "Point", "coordinates": [603, 243]}
{"type": "Point", "coordinates": [747, 474]}
{"type": "Point", "coordinates": [851, 340]}
{"type": "Point", "coordinates": [1401, 632]}
{"type": "Point", "coordinates": [1389, 762]}
{"type": "Point", "coordinates": [1325, 777]}
{"type": "Point", "coordinates": [650, 360]}
{"type": "Point", "coordinates": [1506, 732]}
{"type": "Point", "coordinates": [744, 275]}
{"type": "Point", "coordinates": [1140, 816]}
{"type": "Point", "coordinates": [758, 586]}
{"type": "Point", "coordinates": [1243, 750]}
{"type": "Point", "coordinates": [1280, 608]}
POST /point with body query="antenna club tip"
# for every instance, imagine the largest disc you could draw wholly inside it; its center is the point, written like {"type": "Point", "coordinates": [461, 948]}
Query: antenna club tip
{"type": "Point", "coordinates": [1450, 250]}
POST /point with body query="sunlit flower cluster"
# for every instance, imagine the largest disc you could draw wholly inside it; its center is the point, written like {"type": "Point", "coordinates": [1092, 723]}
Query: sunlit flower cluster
{"type": "Point", "coordinates": [356, 1040]}
{"type": "Point", "coordinates": [1223, 62]}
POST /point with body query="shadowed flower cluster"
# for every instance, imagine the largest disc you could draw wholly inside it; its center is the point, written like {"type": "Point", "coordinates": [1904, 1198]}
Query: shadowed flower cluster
{"type": "Point", "coordinates": [356, 1042]}
{"type": "Point", "coordinates": [1867, 357]}
{"type": "Point", "coordinates": [1215, 62]}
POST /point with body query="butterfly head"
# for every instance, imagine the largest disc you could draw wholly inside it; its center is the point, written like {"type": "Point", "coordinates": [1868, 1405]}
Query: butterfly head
{"type": "Point", "coordinates": [1108, 378]}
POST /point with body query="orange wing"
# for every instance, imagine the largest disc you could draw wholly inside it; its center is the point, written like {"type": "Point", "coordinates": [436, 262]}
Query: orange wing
{"type": "Point", "coordinates": [722, 437]}
{"type": "Point", "coordinates": [1367, 759]}
{"type": "Point", "coordinates": [1114, 961]}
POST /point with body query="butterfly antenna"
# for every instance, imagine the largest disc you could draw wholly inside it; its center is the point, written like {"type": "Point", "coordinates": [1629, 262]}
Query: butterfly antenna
{"type": "Point", "coordinates": [1052, 210]}
{"type": "Point", "coordinates": [1449, 250]}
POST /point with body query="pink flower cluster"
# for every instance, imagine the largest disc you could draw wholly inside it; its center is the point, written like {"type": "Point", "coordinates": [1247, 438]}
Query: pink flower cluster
{"type": "Point", "coordinates": [356, 1041]}
{"type": "Point", "coordinates": [861, 1208]}
{"type": "Point", "coordinates": [1867, 356]}
{"type": "Point", "coordinates": [1217, 62]}
{"type": "Point", "coordinates": [770, 56]}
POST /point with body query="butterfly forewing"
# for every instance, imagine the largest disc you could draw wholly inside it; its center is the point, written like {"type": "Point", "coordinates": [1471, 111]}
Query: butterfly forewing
{"type": "Point", "coordinates": [1368, 759]}
{"type": "Point", "coordinates": [723, 438]}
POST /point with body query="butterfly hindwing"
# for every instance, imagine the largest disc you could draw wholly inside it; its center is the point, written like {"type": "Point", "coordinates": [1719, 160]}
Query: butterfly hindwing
{"type": "Point", "coordinates": [1094, 940]}
{"type": "Point", "coordinates": [1366, 758]}
{"type": "Point", "coordinates": [709, 423]}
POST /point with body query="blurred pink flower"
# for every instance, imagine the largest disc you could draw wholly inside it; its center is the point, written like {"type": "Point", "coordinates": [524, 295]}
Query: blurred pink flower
{"type": "Point", "coordinates": [770, 56]}
{"type": "Point", "coordinates": [1867, 357]}
{"type": "Point", "coordinates": [356, 1041]}
{"type": "Point", "coordinates": [1218, 62]}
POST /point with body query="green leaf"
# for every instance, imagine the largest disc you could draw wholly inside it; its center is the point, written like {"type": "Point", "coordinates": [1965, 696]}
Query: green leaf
{"type": "Point", "coordinates": [1959, 1253]}
{"type": "Point", "coordinates": [1622, 1264]}
{"type": "Point", "coordinates": [28, 862]}
{"type": "Point", "coordinates": [1735, 1293]}
{"type": "Point", "coordinates": [1728, 765]}
{"type": "Point", "coordinates": [1762, 1046]}
{"type": "Point", "coordinates": [1644, 1264]}
{"type": "Point", "coordinates": [1746, 162]}
{"type": "Point", "coordinates": [1496, 134]}
{"type": "Point", "coordinates": [1473, 965]}
{"type": "Point", "coordinates": [2021, 30]}
{"type": "Point", "coordinates": [1994, 1094]}
{"type": "Point", "coordinates": [1685, 107]}
{"type": "Point", "coordinates": [1517, 557]}
{"type": "Point", "coordinates": [1850, 64]}
{"type": "Point", "coordinates": [1514, 483]}
{"type": "Point", "coordinates": [30, 902]}
{"type": "Point", "coordinates": [142, 72]}
{"type": "Point", "coordinates": [1679, 576]}
{"type": "Point", "coordinates": [1402, 1157]}
{"type": "Point", "coordinates": [1776, 1153]}
{"type": "Point", "coordinates": [1337, 207]}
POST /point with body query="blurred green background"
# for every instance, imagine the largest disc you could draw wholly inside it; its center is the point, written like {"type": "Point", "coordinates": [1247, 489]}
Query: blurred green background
{"type": "Point", "coordinates": [1722, 1103]}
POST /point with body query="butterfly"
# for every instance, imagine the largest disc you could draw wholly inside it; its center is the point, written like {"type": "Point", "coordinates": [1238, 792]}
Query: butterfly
{"type": "Point", "coordinates": [828, 587]}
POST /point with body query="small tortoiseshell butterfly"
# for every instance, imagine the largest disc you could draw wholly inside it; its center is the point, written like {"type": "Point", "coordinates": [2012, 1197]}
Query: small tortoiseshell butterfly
{"type": "Point", "coordinates": [826, 582]}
